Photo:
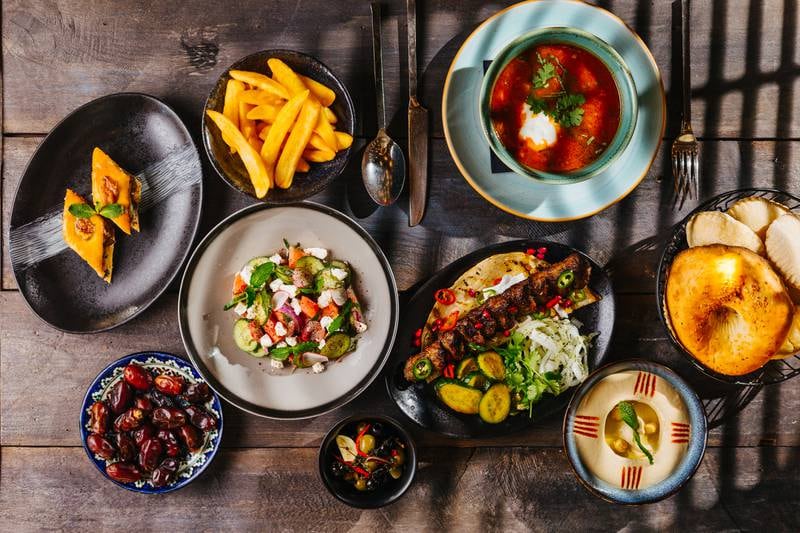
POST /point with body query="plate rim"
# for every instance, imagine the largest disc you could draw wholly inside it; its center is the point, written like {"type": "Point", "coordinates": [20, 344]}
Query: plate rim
{"type": "Point", "coordinates": [473, 258]}
{"type": "Point", "coordinates": [468, 177]}
{"type": "Point", "coordinates": [194, 229]}
{"type": "Point", "coordinates": [230, 396]}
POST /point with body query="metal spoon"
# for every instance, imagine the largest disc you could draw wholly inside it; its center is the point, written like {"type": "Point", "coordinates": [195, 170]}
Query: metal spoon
{"type": "Point", "coordinates": [383, 167]}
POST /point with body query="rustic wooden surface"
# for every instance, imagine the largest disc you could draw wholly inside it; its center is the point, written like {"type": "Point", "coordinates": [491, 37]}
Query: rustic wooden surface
{"type": "Point", "coordinates": [58, 55]}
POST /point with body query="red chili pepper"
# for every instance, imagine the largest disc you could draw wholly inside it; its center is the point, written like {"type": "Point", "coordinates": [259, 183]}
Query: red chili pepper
{"type": "Point", "coordinates": [478, 325]}
{"type": "Point", "coordinates": [445, 296]}
{"type": "Point", "coordinates": [530, 251]}
{"type": "Point", "coordinates": [554, 302]}
{"type": "Point", "coordinates": [507, 333]}
{"type": "Point", "coordinates": [497, 280]}
{"type": "Point", "coordinates": [394, 452]}
{"type": "Point", "coordinates": [449, 371]}
{"type": "Point", "coordinates": [450, 322]}
{"type": "Point", "coordinates": [567, 303]}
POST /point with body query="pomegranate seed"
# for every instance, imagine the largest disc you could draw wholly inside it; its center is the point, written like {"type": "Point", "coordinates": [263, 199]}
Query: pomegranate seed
{"type": "Point", "coordinates": [486, 314]}
{"type": "Point", "coordinates": [417, 343]}
{"type": "Point", "coordinates": [478, 325]}
{"type": "Point", "coordinates": [542, 250]}
{"type": "Point", "coordinates": [507, 333]}
{"type": "Point", "coordinates": [513, 309]}
{"type": "Point", "coordinates": [567, 303]}
{"type": "Point", "coordinates": [439, 322]}
{"type": "Point", "coordinates": [530, 251]}
{"type": "Point", "coordinates": [418, 333]}
{"type": "Point", "coordinates": [471, 292]}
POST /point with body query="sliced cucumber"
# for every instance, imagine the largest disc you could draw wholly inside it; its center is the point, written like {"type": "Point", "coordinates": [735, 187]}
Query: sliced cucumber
{"type": "Point", "coordinates": [492, 366]}
{"type": "Point", "coordinates": [284, 274]}
{"type": "Point", "coordinates": [495, 404]}
{"type": "Point", "coordinates": [242, 337]}
{"type": "Point", "coordinates": [465, 367]}
{"type": "Point", "coordinates": [310, 264]}
{"type": "Point", "coordinates": [326, 280]}
{"type": "Point", "coordinates": [458, 396]}
{"type": "Point", "coordinates": [258, 352]}
{"type": "Point", "coordinates": [476, 380]}
{"type": "Point", "coordinates": [336, 346]}
{"type": "Point", "coordinates": [261, 307]}
{"type": "Point", "coordinates": [257, 261]}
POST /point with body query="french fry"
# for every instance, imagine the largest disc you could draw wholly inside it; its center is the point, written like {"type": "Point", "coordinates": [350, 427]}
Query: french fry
{"type": "Point", "coordinates": [230, 107]}
{"type": "Point", "coordinates": [323, 94]}
{"type": "Point", "coordinates": [330, 115]}
{"type": "Point", "coordinates": [277, 132]}
{"type": "Point", "coordinates": [303, 166]}
{"type": "Point", "coordinates": [264, 132]}
{"type": "Point", "coordinates": [319, 156]}
{"type": "Point", "coordinates": [264, 112]}
{"type": "Point", "coordinates": [296, 143]}
{"type": "Point", "coordinates": [261, 81]}
{"type": "Point", "coordinates": [286, 76]}
{"type": "Point", "coordinates": [246, 125]}
{"type": "Point", "coordinates": [261, 97]}
{"type": "Point", "coordinates": [317, 142]}
{"type": "Point", "coordinates": [343, 140]}
{"type": "Point", "coordinates": [255, 142]}
{"type": "Point", "coordinates": [325, 130]}
{"type": "Point", "coordinates": [250, 157]}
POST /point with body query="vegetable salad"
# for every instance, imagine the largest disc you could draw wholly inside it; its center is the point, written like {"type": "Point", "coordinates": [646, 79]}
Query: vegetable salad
{"type": "Point", "coordinates": [297, 307]}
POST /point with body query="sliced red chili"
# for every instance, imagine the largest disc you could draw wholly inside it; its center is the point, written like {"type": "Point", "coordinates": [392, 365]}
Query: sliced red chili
{"type": "Point", "coordinates": [445, 296]}
{"type": "Point", "coordinates": [497, 280]}
{"type": "Point", "coordinates": [554, 302]}
{"type": "Point", "coordinates": [450, 322]}
{"type": "Point", "coordinates": [449, 371]}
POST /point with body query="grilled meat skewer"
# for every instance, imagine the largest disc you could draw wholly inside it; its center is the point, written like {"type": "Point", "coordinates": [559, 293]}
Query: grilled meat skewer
{"type": "Point", "coordinates": [498, 314]}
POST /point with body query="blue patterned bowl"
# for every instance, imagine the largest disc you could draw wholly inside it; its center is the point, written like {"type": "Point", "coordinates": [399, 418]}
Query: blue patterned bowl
{"type": "Point", "coordinates": [190, 468]}
{"type": "Point", "coordinates": [629, 107]}
{"type": "Point", "coordinates": [688, 434]}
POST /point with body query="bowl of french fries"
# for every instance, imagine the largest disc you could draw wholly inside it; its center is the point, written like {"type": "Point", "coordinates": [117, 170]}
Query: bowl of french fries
{"type": "Point", "coordinates": [278, 126]}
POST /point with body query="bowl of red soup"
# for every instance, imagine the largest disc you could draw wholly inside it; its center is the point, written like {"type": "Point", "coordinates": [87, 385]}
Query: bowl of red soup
{"type": "Point", "coordinates": [558, 105]}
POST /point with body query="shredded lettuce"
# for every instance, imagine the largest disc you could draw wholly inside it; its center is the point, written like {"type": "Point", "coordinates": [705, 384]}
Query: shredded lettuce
{"type": "Point", "coordinates": [545, 356]}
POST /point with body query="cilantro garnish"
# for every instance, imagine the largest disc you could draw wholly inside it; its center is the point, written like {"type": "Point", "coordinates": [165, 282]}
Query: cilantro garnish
{"type": "Point", "coordinates": [562, 106]}
{"type": "Point", "coordinates": [628, 415]}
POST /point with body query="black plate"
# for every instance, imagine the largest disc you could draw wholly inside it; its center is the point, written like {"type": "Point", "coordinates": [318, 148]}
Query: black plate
{"type": "Point", "coordinates": [418, 401]}
{"type": "Point", "coordinates": [136, 130]}
{"type": "Point", "coordinates": [230, 167]}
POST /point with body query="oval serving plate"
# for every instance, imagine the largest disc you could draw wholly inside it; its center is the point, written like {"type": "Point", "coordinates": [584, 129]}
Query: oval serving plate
{"type": "Point", "coordinates": [147, 139]}
{"type": "Point", "coordinates": [419, 402]}
{"type": "Point", "coordinates": [521, 195]}
{"type": "Point", "coordinates": [248, 382]}
{"type": "Point", "coordinates": [100, 389]}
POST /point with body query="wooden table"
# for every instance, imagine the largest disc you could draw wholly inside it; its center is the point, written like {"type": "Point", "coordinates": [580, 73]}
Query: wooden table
{"type": "Point", "coordinates": [58, 55]}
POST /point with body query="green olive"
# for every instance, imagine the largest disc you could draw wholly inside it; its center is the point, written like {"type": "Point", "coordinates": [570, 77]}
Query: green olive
{"type": "Point", "coordinates": [360, 427]}
{"type": "Point", "coordinates": [370, 466]}
{"type": "Point", "coordinates": [367, 443]}
{"type": "Point", "coordinates": [361, 483]}
{"type": "Point", "coordinates": [400, 458]}
{"type": "Point", "coordinates": [396, 472]}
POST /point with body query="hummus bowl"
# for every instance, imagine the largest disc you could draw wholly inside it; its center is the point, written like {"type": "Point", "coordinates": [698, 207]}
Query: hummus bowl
{"type": "Point", "coordinates": [634, 432]}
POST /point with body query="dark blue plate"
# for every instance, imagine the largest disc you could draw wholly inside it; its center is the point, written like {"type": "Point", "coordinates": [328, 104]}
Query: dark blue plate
{"type": "Point", "coordinates": [189, 468]}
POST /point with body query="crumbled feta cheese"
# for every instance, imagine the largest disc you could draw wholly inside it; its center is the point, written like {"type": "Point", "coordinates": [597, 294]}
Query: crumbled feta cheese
{"type": "Point", "coordinates": [277, 259]}
{"type": "Point", "coordinates": [265, 341]}
{"type": "Point", "coordinates": [339, 273]}
{"type": "Point", "coordinates": [281, 345]}
{"type": "Point", "coordinates": [295, 304]}
{"type": "Point", "coordinates": [276, 364]}
{"type": "Point", "coordinates": [290, 289]}
{"type": "Point", "coordinates": [324, 299]}
{"type": "Point", "coordinates": [275, 285]}
{"type": "Point", "coordinates": [319, 253]}
{"type": "Point", "coordinates": [339, 296]}
{"type": "Point", "coordinates": [246, 273]}
{"type": "Point", "coordinates": [291, 341]}
{"type": "Point", "coordinates": [360, 327]}
{"type": "Point", "coordinates": [325, 322]}
{"type": "Point", "coordinates": [320, 344]}
{"type": "Point", "coordinates": [318, 368]}
{"type": "Point", "coordinates": [251, 313]}
{"type": "Point", "coordinates": [280, 329]}
{"type": "Point", "coordinates": [240, 309]}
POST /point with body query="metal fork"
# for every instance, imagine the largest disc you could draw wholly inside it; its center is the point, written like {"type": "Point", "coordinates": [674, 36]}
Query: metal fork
{"type": "Point", "coordinates": [685, 159]}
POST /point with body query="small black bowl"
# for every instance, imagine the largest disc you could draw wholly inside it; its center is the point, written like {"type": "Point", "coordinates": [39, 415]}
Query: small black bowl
{"type": "Point", "coordinates": [348, 494]}
{"type": "Point", "coordinates": [230, 167]}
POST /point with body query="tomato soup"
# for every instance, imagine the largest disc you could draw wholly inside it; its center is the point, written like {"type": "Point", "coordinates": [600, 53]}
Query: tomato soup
{"type": "Point", "coordinates": [555, 107]}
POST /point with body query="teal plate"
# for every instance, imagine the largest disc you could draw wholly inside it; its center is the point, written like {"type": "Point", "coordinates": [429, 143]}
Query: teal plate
{"type": "Point", "coordinates": [522, 195]}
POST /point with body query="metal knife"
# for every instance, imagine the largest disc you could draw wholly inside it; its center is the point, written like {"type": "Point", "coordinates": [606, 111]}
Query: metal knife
{"type": "Point", "coordinates": [417, 127]}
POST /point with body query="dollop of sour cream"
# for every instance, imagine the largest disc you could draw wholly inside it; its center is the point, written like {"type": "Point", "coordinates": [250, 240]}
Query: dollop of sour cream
{"type": "Point", "coordinates": [537, 129]}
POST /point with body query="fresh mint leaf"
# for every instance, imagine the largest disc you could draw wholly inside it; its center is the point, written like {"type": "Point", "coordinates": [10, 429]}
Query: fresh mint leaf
{"type": "Point", "coordinates": [339, 322]}
{"type": "Point", "coordinates": [261, 274]}
{"type": "Point", "coordinates": [235, 300]}
{"type": "Point", "coordinates": [81, 210]}
{"type": "Point", "coordinates": [628, 414]}
{"type": "Point", "coordinates": [250, 296]}
{"type": "Point", "coordinates": [111, 211]}
{"type": "Point", "coordinates": [281, 354]}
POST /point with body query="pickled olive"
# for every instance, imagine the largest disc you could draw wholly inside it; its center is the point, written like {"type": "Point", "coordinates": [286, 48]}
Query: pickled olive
{"type": "Point", "coordinates": [168, 417]}
{"type": "Point", "coordinates": [370, 466]}
{"type": "Point", "coordinates": [129, 420]}
{"type": "Point", "coordinates": [361, 484]}
{"type": "Point", "coordinates": [142, 434]}
{"type": "Point", "coordinates": [190, 438]}
{"type": "Point", "coordinates": [367, 443]}
{"type": "Point", "coordinates": [165, 473]}
{"type": "Point", "coordinates": [100, 446]}
{"type": "Point", "coordinates": [143, 403]}
{"type": "Point", "coordinates": [123, 472]}
{"type": "Point", "coordinates": [126, 446]}
{"type": "Point", "coordinates": [395, 473]}
{"type": "Point", "coordinates": [150, 454]}
{"type": "Point", "coordinates": [167, 384]}
{"type": "Point", "coordinates": [120, 398]}
{"type": "Point", "coordinates": [137, 377]}
{"type": "Point", "coordinates": [399, 458]}
{"type": "Point", "coordinates": [99, 416]}
{"type": "Point", "coordinates": [197, 393]}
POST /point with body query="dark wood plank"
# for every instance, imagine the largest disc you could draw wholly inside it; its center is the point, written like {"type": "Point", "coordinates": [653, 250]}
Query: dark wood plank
{"type": "Point", "coordinates": [487, 489]}
{"type": "Point", "coordinates": [628, 235]}
{"type": "Point", "coordinates": [44, 375]}
{"type": "Point", "coordinates": [59, 55]}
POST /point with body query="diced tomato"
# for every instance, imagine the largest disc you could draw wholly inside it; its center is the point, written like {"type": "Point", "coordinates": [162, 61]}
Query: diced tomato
{"type": "Point", "coordinates": [269, 329]}
{"type": "Point", "coordinates": [238, 284]}
{"type": "Point", "coordinates": [295, 254]}
{"type": "Point", "coordinates": [308, 306]}
{"type": "Point", "coordinates": [331, 310]}
{"type": "Point", "coordinates": [256, 331]}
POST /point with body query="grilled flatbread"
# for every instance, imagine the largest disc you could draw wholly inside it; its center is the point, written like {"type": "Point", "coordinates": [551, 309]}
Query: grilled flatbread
{"type": "Point", "coordinates": [112, 185]}
{"type": "Point", "coordinates": [91, 238]}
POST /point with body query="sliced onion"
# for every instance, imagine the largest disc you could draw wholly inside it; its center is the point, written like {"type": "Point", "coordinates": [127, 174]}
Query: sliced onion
{"type": "Point", "coordinates": [279, 299]}
{"type": "Point", "coordinates": [347, 447]}
{"type": "Point", "coordinates": [287, 310]}
{"type": "Point", "coordinates": [309, 358]}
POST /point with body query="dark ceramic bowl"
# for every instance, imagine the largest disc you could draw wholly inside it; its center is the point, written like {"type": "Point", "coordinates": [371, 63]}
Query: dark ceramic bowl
{"type": "Point", "coordinates": [348, 494]}
{"type": "Point", "coordinates": [230, 167]}
{"type": "Point", "coordinates": [190, 467]}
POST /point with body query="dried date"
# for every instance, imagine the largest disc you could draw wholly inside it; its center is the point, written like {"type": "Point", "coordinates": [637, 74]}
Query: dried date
{"type": "Point", "coordinates": [137, 377]}
{"type": "Point", "coordinates": [126, 446]}
{"type": "Point", "coordinates": [142, 434]}
{"type": "Point", "coordinates": [168, 418]}
{"type": "Point", "coordinates": [200, 418]}
{"type": "Point", "coordinates": [150, 454]}
{"type": "Point", "coordinates": [123, 472]}
{"type": "Point", "coordinates": [99, 416]}
{"type": "Point", "coordinates": [100, 446]}
{"type": "Point", "coordinates": [197, 393]}
{"type": "Point", "coordinates": [131, 419]}
{"type": "Point", "coordinates": [170, 385]}
{"type": "Point", "coordinates": [121, 397]}
{"type": "Point", "coordinates": [191, 438]}
{"type": "Point", "coordinates": [165, 473]}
